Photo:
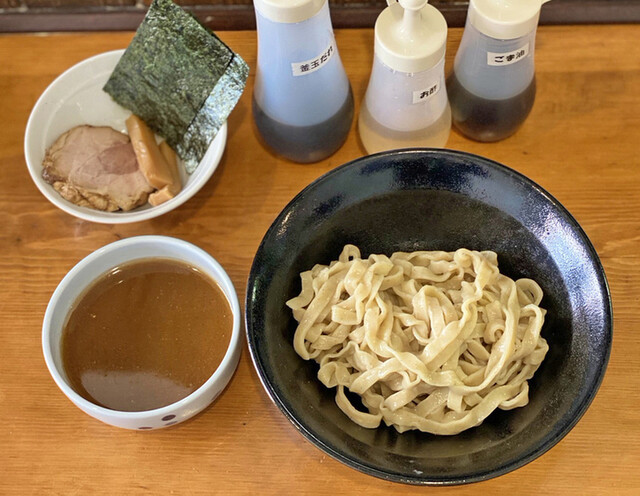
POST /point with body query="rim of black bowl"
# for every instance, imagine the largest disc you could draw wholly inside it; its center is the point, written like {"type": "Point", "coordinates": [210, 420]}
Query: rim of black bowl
{"type": "Point", "coordinates": [534, 453]}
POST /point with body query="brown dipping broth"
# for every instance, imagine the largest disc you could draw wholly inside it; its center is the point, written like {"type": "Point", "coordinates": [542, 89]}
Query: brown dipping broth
{"type": "Point", "coordinates": [146, 334]}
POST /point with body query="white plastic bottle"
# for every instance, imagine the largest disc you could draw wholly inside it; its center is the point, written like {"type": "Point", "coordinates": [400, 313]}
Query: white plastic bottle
{"type": "Point", "coordinates": [302, 100]}
{"type": "Point", "coordinates": [492, 86]}
{"type": "Point", "coordinates": [406, 104]}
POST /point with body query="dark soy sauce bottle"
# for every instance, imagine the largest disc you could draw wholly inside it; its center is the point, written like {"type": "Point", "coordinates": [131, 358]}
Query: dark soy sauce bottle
{"type": "Point", "coordinates": [492, 86]}
{"type": "Point", "coordinates": [302, 99]}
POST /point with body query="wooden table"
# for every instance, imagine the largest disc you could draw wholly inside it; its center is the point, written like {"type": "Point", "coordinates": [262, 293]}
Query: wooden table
{"type": "Point", "coordinates": [581, 143]}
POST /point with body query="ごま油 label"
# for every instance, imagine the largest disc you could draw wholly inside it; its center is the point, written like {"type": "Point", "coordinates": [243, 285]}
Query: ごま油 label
{"type": "Point", "coordinates": [497, 59]}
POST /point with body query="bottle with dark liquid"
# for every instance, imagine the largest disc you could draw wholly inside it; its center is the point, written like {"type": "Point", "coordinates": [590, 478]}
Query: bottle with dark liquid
{"type": "Point", "coordinates": [302, 99]}
{"type": "Point", "coordinates": [492, 86]}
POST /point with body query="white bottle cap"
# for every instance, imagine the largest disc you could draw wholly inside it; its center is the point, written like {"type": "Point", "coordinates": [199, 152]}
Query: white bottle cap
{"type": "Point", "coordinates": [505, 19]}
{"type": "Point", "coordinates": [410, 36]}
{"type": "Point", "coordinates": [288, 11]}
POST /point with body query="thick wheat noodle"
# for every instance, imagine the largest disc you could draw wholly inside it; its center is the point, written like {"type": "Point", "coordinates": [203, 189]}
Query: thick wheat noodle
{"type": "Point", "coordinates": [430, 340]}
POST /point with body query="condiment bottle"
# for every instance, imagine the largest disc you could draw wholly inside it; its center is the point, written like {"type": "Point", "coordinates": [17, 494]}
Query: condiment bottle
{"type": "Point", "coordinates": [406, 104]}
{"type": "Point", "coordinates": [302, 100]}
{"type": "Point", "coordinates": [492, 86]}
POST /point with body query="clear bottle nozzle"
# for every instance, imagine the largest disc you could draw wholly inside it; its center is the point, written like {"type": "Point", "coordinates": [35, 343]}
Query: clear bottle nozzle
{"type": "Point", "coordinates": [411, 26]}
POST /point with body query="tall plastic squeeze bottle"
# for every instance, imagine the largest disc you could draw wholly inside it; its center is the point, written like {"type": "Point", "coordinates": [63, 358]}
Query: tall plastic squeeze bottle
{"type": "Point", "coordinates": [406, 104]}
{"type": "Point", "coordinates": [492, 86]}
{"type": "Point", "coordinates": [302, 99]}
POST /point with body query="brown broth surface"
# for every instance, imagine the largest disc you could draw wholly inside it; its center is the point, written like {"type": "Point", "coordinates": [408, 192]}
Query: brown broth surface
{"type": "Point", "coordinates": [145, 335]}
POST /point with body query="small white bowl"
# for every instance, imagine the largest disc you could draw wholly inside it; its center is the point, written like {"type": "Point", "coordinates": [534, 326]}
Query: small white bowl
{"type": "Point", "coordinates": [96, 264]}
{"type": "Point", "coordinates": [76, 98]}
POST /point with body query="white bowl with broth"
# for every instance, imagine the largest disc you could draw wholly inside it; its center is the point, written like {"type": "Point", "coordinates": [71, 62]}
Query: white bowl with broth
{"type": "Point", "coordinates": [76, 287]}
{"type": "Point", "coordinates": [75, 98]}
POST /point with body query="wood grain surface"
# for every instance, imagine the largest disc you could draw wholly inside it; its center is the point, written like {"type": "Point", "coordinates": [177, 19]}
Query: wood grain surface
{"type": "Point", "coordinates": [581, 143]}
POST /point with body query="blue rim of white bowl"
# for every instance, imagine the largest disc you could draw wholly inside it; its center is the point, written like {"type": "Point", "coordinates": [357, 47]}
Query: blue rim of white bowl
{"type": "Point", "coordinates": [232, 354]}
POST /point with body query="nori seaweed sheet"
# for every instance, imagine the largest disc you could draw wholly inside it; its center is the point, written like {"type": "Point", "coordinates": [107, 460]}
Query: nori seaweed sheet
{"type": "Point", "coordinates": [180, 78]}
{"type": "Point", "coordinates": [214, 112]}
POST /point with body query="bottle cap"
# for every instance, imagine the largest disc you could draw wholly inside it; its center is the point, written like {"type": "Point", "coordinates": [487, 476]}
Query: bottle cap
{"type": "Point", "coordinates": [288, 11]}
{"type": "Point", "coordinates": [410, 36]}
{"type": "Point", "coordinates": [505, 19]}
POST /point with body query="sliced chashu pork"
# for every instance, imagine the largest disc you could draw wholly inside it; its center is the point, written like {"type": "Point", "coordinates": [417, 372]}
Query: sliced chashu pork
{"type": "Point", "coordinates": [96, 167]}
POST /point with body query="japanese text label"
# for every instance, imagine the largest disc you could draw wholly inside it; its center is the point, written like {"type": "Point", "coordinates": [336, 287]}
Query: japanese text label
{"type": "Point", "coordinates": [426, 93]}
{"type": "Point", "coordinates": [312, 65]}
{"type": "Point", "coordinates": [509, 57]}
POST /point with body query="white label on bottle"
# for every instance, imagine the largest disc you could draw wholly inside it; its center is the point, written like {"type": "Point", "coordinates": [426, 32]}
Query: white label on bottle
{"type": "Point", "coordinates": [426, 93]}
{"type": "Point", "coordinates": [508, 57]}
{"type": "Point", "coordinates": [312, 65]}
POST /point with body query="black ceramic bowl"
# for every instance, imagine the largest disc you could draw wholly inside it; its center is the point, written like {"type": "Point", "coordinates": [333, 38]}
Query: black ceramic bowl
{"type": "Point", "coordinates": [427, 200]}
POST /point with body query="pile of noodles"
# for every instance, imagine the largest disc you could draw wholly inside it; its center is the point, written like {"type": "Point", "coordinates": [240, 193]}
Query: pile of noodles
{"type": "Point", "coordinates": [430, 340]}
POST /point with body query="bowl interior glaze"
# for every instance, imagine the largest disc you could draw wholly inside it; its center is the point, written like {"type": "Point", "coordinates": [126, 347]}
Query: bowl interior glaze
{"type": "Point", "coordinates": [434, 200]}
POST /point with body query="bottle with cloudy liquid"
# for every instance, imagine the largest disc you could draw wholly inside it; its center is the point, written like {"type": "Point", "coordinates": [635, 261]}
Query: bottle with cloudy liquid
{"type": "Point", "coordinates": [302, 100]}
{"type": "Point", "coordinates": [492, 86]}
{"type": "Point", "coordinates": [406, 104]}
